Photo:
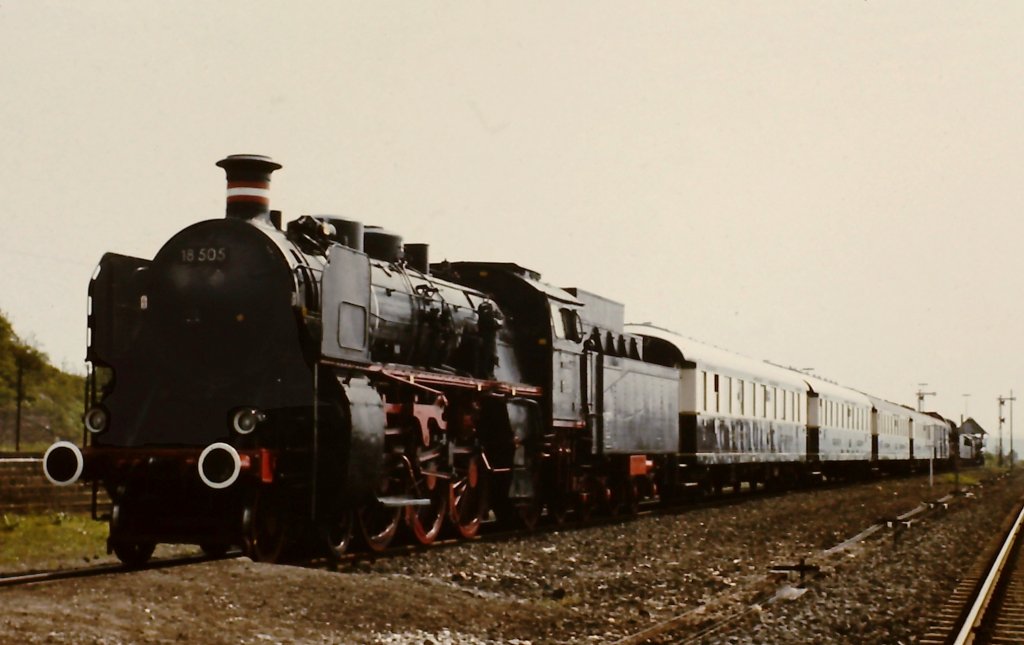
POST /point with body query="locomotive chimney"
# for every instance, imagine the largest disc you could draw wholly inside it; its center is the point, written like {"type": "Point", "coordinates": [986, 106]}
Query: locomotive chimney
{"type": "Point", "coordinates": [248, 186]}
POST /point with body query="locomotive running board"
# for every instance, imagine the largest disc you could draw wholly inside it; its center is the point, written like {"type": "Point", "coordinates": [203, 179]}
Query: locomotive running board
{"type": "Point", "coordinates": [392, 502]}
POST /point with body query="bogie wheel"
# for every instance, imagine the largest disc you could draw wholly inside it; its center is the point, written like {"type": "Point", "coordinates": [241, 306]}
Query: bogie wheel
{"type": "Point", "coordinates": [265, 531]}
{"type": "Point", "coordinates": [133, 554]}
{"type": "Point", "coordinates": [425, 522]}
{"type": "Point", "coordinates": [338, 534]}
{"type": "Point", "coordinates": [468, 501]}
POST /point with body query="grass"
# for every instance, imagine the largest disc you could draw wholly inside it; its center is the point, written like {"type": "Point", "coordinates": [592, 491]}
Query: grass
{"type": "Point", "coordinates": [48, 541]}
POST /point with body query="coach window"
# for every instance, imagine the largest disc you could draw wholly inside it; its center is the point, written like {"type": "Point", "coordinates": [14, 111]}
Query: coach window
{"type": "Point", "coordinates": [717, 399]}
{"type": "Point", "coordinates": [727, 395]}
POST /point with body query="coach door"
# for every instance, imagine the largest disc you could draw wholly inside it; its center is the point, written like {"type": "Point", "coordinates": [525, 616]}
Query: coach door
{"type": "Point", "coordinates": [813, 427]}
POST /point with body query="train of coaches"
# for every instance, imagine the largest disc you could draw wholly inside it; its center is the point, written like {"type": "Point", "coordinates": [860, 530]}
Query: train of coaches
{"type": "Point", "coordinates": [273, 386]}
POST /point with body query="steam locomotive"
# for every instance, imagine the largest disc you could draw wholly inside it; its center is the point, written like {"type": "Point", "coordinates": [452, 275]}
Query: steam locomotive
{"type": "Point", "coordinates": [270, 386]}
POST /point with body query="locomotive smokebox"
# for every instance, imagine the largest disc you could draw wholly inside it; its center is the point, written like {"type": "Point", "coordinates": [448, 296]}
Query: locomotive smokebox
{"type": "Point", "coordinates": [248, 186]}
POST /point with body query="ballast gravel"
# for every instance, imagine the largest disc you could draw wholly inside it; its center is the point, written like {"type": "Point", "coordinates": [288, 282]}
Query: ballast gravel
{"type": "Point", "coordinates": [602, 584]}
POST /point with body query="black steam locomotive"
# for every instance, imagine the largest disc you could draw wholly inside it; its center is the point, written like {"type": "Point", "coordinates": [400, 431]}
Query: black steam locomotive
{"type": "Point", "coordinates": [268, 386]}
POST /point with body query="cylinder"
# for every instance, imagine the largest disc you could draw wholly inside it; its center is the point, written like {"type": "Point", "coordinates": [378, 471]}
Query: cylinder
{"type": "Point", "coordinates": [248, 179]}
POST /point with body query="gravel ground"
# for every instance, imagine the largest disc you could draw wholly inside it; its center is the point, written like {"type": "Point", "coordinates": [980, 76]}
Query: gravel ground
{"type": "Point", "coordinates": [592, 585]}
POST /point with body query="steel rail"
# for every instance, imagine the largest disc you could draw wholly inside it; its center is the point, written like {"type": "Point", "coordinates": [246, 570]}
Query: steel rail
{"type": "Point", "coordinates": [106, 569]}
{"type": "Point", "coordinates": [985, 593]}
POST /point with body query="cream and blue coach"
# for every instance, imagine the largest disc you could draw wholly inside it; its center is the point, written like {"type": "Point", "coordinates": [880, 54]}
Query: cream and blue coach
{"type": "Point", "coordinates": [734, 410]}
{"type": "Point", "coordinates": [838, 426]}
{"type": "Point", "coordinates": [890, 432]}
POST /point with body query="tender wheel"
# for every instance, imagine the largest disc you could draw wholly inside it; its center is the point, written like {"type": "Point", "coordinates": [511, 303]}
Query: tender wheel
{"type": "Point", "coordinates": [468, 501]}
{"type": "Point", "coordinates": [133, 554]}
{"type": "Point", "coordinates": [629, 495]}
{"type": "Point", "coordinates": [265, 532]}
{"type": "Point", "coordinates": [425, 522]}
{"type": "Point", "coordinates": [592, 495]}
{"type": "Point", "coordinates": [338, 535]}
{"type": "Point", "coordinates": [529, 513]}
{"type": "Point", "coordinates": [558, 512]}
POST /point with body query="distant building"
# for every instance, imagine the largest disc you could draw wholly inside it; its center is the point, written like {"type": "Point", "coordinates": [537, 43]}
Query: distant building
{"type": "Point", "coordinates": [970, 431]}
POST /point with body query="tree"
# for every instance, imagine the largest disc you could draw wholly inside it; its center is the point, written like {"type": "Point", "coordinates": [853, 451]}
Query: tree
{"type": "Point", "coordinates": [51, 402]}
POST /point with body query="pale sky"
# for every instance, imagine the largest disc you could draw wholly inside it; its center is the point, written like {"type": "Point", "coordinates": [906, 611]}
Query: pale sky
{"type": "Point", "coordinates": [836, 185]}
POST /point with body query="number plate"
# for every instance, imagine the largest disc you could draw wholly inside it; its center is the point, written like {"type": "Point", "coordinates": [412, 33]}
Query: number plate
{"type": "Point", "coordinates": [203, 255]}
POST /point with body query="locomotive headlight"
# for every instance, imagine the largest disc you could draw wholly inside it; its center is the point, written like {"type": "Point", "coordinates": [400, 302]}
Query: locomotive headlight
{"type": "Point", "coordinates": [96, 420]}
{"type": "Point", "coordinates": [245, 421]}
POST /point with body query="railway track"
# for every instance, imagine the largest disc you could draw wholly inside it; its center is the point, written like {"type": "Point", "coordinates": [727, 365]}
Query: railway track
{"type": "Point", "coordinates": [988, 605]}
{"type": "Point", "coordinates": [39, 577]}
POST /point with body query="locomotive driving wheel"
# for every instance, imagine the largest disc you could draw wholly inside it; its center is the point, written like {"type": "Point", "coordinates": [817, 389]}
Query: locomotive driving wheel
{"type": "Point", "coordinates": [338, 534]}
{"type": "Point", "coordinates": [378, 522]}
{"type": "Point", "coordinates": [468, 493]}
{"type": "Point", "coordinates": [425, 521]}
